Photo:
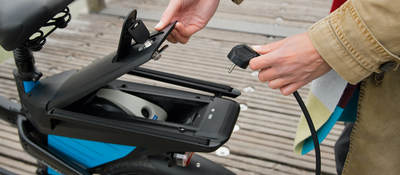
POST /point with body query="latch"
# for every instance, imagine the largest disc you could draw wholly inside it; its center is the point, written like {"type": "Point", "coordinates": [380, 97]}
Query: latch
{"type": "Point", "coordinates": [139, 32]}
{"type": "Point", "coordinates": [136, 38]}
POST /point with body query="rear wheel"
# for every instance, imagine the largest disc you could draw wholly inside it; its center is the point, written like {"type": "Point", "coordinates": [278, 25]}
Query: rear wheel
{"type": "Point", "coordinates": [130, 167]}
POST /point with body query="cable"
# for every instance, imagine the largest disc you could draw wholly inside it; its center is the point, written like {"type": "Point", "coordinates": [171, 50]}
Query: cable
{"type": "Point", "coordinates": [313, 133]}
{"type": "Point", "coordinates": [240, 56]}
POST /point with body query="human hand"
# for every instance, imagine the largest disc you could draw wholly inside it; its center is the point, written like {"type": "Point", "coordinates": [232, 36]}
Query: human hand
{"type": "Point", "coordinates": [192, 16]}
{"type": "Point", "coordinates": [289, 64]}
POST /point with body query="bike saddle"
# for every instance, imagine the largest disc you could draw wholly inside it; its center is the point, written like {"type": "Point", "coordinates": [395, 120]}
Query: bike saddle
{"type": "Point", "coordinates": [20, 19]}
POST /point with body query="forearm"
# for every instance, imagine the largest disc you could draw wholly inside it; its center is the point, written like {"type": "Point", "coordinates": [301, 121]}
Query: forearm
{"type": "Point", "coordinates": [359, 37]}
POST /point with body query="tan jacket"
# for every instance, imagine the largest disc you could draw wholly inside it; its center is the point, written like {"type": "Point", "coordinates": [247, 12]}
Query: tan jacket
{"type": "Point", "coordinates": [361, 42]}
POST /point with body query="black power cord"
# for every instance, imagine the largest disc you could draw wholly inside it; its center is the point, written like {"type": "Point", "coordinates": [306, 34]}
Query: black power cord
{"type": "Point", "coordinates": [313, 133]}
{"type": "Point", "coordinates": [241, 55]}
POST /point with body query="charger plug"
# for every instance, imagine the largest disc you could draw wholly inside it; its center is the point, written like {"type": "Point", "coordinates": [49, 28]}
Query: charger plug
{"type": "Point", "coordinates": [241, 55]}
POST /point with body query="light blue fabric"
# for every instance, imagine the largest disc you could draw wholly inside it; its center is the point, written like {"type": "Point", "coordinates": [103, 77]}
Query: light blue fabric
{"type": "Point", "coordinates": [87, 153]}
{"type": "Point", "coordinates": [323, 131]}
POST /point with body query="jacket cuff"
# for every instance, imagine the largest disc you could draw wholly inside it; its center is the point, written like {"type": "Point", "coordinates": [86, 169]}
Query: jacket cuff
{"type": "Point", "coordinates": [346, 44]}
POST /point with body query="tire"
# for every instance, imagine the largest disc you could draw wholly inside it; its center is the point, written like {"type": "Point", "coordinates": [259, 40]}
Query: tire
{"type": "Point", "coordinates": [130, 167]}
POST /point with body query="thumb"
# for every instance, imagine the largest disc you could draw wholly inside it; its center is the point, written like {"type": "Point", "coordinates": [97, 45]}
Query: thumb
{"type": "Point", "coordinates": [264, 49]}
{"type": "Point", "coordinates": [168, 14]}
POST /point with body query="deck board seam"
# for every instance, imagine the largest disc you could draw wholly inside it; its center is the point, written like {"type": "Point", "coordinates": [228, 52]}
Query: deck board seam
{"type": "Point", "coordinates": [17, 159]}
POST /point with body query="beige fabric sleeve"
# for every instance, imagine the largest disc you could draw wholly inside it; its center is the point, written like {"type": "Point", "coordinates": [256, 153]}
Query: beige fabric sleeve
{"type": "Point", "coordinates": [359, 37]}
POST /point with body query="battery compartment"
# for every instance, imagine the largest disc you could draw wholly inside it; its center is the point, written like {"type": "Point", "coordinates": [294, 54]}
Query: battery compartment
{"type": "Point", "coordinates": [182, 107]}
{"type": "Point", "coordinates": [195, 122]}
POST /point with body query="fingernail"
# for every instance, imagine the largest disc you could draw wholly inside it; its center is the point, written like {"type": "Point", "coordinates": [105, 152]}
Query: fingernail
{"type": "Point", "coordinates": [256, 47]}
{"type": "Point", "coordinates": [158, 25]}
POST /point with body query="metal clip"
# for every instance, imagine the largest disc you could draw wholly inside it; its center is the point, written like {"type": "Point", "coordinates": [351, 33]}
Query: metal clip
{"type": "Point", "coordinates": [157, 54]}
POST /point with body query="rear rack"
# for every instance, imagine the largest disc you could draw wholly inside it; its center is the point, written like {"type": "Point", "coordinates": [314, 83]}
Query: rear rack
{"type": "Point", "coordinates": [215, 88]}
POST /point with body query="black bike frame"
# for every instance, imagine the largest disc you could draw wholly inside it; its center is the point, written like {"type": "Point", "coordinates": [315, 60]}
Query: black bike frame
{"type": "Point", "coordinates": [53, 106]}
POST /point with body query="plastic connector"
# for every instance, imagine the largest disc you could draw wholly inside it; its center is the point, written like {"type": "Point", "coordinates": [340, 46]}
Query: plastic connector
{"type": "Point", "coordinates": [241, 55]}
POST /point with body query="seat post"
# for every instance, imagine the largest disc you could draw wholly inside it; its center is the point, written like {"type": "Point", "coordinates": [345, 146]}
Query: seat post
{"type": "Point", "coordinates": [25, 63]}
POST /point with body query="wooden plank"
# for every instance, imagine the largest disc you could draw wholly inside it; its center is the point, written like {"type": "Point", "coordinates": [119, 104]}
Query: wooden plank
{"type": "Point", "coordinates": [114, 28]}
{"type": "Point", "coordinates": [4, 126]}
{"type": "Point", "coordinates": [95, 6]}
{"type": "Point", "coordinates": [268, 156]}
{"type": "Point", "coordinates": [4, 135]}
{"type": "Point", "coordinates": [272, 148]}
{"type": "Point", "coordinates": [17, 167]}
{"type": "Point", "coordinates": [17, 154]}
{"type": "Point", "coordinates": [265, 17]}
{"type": "Point", "coordinates": [11, 143]}
{"type": "Point", "coordinates": [216, 23]}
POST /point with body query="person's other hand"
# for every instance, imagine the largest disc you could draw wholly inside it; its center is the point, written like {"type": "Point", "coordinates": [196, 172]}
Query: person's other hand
{"type": "Point", "coordinates": [289, 64]}
{"type": "Point", "coordinates": [192, 16]}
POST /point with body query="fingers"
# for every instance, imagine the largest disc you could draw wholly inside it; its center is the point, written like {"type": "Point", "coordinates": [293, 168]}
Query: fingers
{"type": "Point", "coordinates": [278, 83]}
{"type": "Point", "coordinates": [267, 74]}
{"type": "Point", "coordinates": [168, 14]}
{"type": "Point", "coordinates": [289, 89]}
{"type": "Point", "coordinates": [263, 61]}
{"type": "Point", "coordinates": [267, 58]}
{"type": "Point", "coordinates": [179, 36]}
{"type": "Point", "coordinates": [289, 64]}
{"type": "Point", "coordinates": [175, 37]}
{"type": "Point", "coordinates": [263, 49]}
{"type": "Point", "coordinates": [187, 30]}
{"type": "Point", "coordinates": [171, 39]}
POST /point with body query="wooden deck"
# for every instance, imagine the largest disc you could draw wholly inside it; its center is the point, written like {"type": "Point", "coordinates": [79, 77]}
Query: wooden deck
{"type": "Point", "coordinates": [268, 121]}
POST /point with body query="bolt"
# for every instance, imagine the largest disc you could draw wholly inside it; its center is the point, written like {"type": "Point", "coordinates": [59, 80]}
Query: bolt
{"type": "Point", "coordinates": [180, 129]}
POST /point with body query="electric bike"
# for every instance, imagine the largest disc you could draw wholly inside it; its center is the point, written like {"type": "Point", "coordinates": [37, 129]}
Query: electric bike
{"type": "Point", "coordinates": [86, 121]}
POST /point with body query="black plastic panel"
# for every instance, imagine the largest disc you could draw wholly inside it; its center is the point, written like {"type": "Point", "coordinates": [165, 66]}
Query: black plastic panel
{"type": "Point", "coordinates": [98, 74]}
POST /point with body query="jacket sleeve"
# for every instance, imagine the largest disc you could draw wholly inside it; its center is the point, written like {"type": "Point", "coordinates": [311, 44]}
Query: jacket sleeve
{"type": "Point", "coordinates": [359, 38]}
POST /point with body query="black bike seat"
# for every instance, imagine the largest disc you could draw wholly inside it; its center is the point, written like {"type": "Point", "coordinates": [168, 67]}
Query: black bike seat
{"type": "Point", "coordinates": [19, 19]}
